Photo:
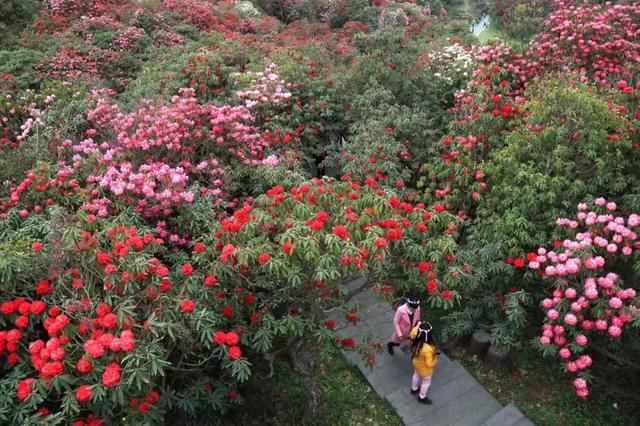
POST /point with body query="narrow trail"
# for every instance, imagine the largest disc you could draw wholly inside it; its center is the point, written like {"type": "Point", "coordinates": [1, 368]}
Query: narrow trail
{"type": "Point", "coordinates": [458, 398]}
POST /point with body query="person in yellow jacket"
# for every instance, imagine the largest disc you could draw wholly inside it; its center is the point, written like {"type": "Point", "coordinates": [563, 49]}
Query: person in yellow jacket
{"type": "Point", "coordinates": [423, 357]}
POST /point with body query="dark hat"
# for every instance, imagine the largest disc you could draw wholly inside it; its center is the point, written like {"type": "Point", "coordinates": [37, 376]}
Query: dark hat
{"type": "Point", "coordinates": [413, 302]}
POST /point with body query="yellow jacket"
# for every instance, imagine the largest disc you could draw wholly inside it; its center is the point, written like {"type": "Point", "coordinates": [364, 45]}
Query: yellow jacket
{"type": "Point", "coordinates": [426, 359]}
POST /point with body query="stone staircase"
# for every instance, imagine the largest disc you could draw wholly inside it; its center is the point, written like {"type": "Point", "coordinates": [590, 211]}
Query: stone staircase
{"type": "Point", "coordinates": [458, 398]}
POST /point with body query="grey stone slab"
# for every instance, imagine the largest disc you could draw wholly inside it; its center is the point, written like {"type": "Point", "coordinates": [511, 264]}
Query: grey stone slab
{"type": "Point", "coordinates": [355, 284]}
{"type": "Point", "coordinates": [452, 390]}
{"type": "Point", "coordinates": [470, 408]}
{"type": "Point", "coordinates": [373, 310]}
{"type": "Point", "coordinates": [446, 372]}
{"type": "Point", "coordinates": [399, 400]}
{"type": "Point", "coordinates": [505, 417]}
{"type": "Point", "coordinates": [524, 422]}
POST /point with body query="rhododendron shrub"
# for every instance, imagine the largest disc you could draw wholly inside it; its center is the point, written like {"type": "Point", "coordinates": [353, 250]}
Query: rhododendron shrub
{"type": "Point", "coordinates": [96, 315]}
{"type": "Point", "coordinates": [551, 162]}
{"type": "Point", "coordinates": [195, 143]}
{"type": "Point", "coordinates": [592, 306]}
{"type": "Point", "coordinates": [309, 240]}
{"type": "Point", "coordinates": [97, 322]}
{"type": "Point", "coordinates": [522, 19]}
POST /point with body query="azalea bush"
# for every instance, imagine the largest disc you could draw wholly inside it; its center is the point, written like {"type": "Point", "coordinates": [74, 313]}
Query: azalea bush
{"type": "Point", "coordinates": [523, 195]}
{"type": "Point", "coordinates": [99, 317]}
{"type": "Point", "coordinates": [591, 277]}
{"type": "Point", "coordinates": [519, 19]}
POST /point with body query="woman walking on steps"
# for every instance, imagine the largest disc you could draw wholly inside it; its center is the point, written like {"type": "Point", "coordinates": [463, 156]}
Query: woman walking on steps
{"type": "Point", "coordinates": [407, 316]}
{"type": "Point", "coordinates": [423, 357]}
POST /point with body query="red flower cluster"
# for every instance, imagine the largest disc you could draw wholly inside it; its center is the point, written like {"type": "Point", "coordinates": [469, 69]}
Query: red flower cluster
{"type": "Point", "coordinates": [230, 339]}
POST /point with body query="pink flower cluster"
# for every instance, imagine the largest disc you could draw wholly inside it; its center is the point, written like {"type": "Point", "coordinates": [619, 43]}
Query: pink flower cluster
{"type": "Point", "coordinates": [147, 158]}
{"type": "Point", "coordinates": [584, 289]}
{"type": "Point", "coordinates": [266, 87]}
{"type": "Point", "coordinates": [150, 182]}
{"type": "Point", "coordinates": [70, 65]}
{"type": "Point", "coordinates": [127, 39]}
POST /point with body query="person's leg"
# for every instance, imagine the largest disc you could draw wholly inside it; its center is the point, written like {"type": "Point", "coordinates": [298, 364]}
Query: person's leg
{"type": "Point", "coordinates": [426, 382]}
{"type": "Point", "coordinates": [415, 382]}
{"type": "Point", "coordinates": [390, 346]}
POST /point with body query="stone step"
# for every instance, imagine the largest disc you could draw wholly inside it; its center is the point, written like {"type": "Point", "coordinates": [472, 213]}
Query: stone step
{"type": "Point", "coordinates": [471, 408]}
{"type": "Point", "coordinates": [508, 416]}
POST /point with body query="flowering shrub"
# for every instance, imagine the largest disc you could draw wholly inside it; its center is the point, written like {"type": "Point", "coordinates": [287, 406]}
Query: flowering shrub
{"type": "Point", "coordinates": [521, 19]}
{"type": "Point", "coordinates": [105, 320]}
{"type": "Point", "coordinates": [586, 272]}
{"type": "Point", "coordinates": [187, 132]}
{"type": "Point", "coordinates": [514, 195]}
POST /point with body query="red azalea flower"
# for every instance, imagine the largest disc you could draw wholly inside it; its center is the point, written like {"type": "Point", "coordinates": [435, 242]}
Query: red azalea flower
{"type": "Point", "coordinates": [199, 247]}
{"type": "Point", "coordinates": [162, 271]}
{"type": "Point", "coordinates": [381, 243]}
{"type": "Point", "coordinates": [187, 269]}
{"type": "Point", "coordinates": [394, 234]}
{"type": "Point", "coordinates": [109, 321]}
{"type": "Point", "coordinates": [210, 281]}
{"type": "Point", "coordinates": [421, 227]}
{"type": "Point", "coordinates": [330, 323]}
{"type": "Point", "coordinates": [348, 343]}
{"type": "Point", "coordinates": [287, 248]}
{"type": "Point", "coordinates": [94, 348]}
{"type": "Point", "coordinates": [447, 294]}
{"type": "Point", "coordinates": [43, 288]}
{"type": "Point", "coordinates": [103, 258]}
{"type": "Point", "coordinates": [352, 317]}
{"type": "Point", "coordinates": [233, 394]}
{"type": "Point", "coordinates": [518, 263]}
{"type": "Point", "coordinates": [23, 388]}
{"type": "Point", "coordinates": [188, 306]}
{"type": "Point", "coordinates": [235, 352]}
{"type": "Point", "coordinates": [111, 376]}
{"type": "Point", "coordinates": [37, 246]}
{"type": "Point", "coordinates": [232, 338]}
{"type": "Point", "coordinates": [227, 311]}
{"type": "Point", "coordinates": [264, 258]}
{"type": "Point", "coordinates": [227, 251]}
{"type": "Point", "coordinates": [340, 231]}
{"type": "Point", "coordinates": [220, 338]}
{"type": "Point", "coordinates": [84, 366]}
{"type": "Point", "coordinates": [432, 287]}
{"type": "Point", "coordinates": [37, 307]}
{"type": "Point", "coordinates": [165, 286]}
{"type": "Point", "coordinates": [424, 267]}
{"type": "Point", "coordinates": [83, 394]}
{"type": "Point", "coordinates": [51, 369]}
{"type": "Point", "coordinates": [22, 321]}
{"type": "Point", "coordinates": [249, 299]}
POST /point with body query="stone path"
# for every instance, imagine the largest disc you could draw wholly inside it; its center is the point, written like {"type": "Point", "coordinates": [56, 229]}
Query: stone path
{"type": "Point", "coordinates": [458, 399]}
{"type": "Point", "coordinates": [481, 25]}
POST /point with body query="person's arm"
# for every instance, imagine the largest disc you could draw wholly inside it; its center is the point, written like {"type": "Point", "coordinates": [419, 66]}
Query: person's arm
{"type": "Point", "coordinates": [396, 322]}
{"type": "Point", "coordinates": [414, 332]}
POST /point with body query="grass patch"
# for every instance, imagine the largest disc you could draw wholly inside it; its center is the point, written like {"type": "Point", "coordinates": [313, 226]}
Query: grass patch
{"type": "Point", "coordinates": [544, 397]}
{"type": "Point", "coordinates": [282, 400]}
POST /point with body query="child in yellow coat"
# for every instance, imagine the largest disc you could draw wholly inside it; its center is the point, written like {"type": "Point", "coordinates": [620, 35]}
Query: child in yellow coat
{"type": "Point", "coordinates": [423, 356]}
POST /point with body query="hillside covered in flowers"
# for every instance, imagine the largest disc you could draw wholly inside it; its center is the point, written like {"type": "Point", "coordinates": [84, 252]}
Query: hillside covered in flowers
{"type": "Point", "coordinates": [187, 185]}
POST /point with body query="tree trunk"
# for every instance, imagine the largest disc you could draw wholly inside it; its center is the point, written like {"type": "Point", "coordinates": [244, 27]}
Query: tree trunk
{"type": "Point", "coordinates": [304, 362]}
